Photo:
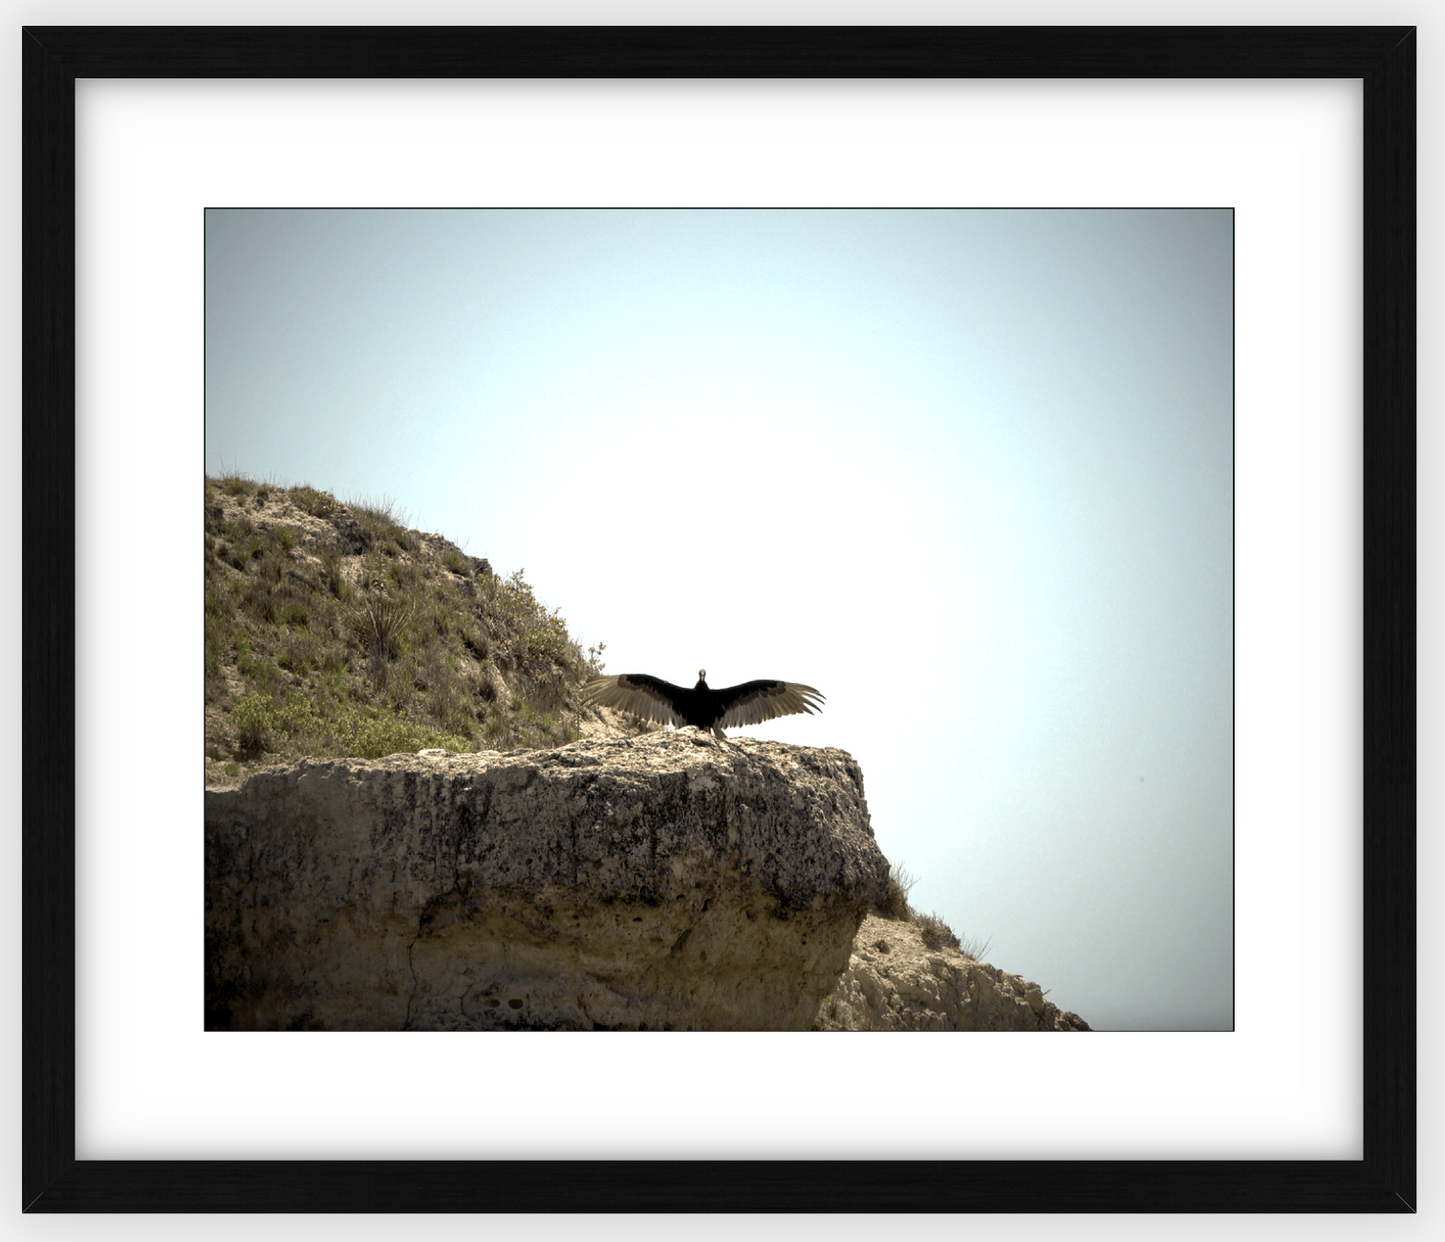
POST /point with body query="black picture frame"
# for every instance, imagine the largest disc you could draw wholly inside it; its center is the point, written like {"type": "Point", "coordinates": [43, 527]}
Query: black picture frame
{"type": "Point", "coordinates": [53, 1180]}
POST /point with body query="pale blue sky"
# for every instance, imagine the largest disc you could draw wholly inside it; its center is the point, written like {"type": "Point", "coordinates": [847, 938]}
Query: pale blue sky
{"type": "Point", "coordinates": [967, 472]}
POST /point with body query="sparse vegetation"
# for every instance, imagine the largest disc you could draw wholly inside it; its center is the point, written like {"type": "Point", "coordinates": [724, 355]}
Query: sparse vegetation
{"type": "Point", "coordinates": [977, 949]}
{"type": "Point", "coordinates": [935, 932]}
{"type": "Point", "coordinates": [378, 620]}
{"type": "Point", "coordinates": [317, 504]}
{"type": "Point", "coordinates": [321, 645]}
{"type": "Point", "coordinates": [380, 516]}
{"type": "Point", "coordinates": [894, 904]}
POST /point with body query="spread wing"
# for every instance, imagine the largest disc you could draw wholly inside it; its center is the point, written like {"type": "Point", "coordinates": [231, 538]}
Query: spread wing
{"type": "Point", "coordinates": [648, 697]}
{"type": "Point", "coordinates": [756, 701]}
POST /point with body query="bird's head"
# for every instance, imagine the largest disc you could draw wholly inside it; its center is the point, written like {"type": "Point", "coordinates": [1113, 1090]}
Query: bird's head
{"type": "Point", "coordinates": [702, 674]}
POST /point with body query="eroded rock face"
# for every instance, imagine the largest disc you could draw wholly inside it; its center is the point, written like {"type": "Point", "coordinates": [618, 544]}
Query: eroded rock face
{"type": "Point", "coordinates": [895, 982]}
{"type": "Point", "coordinates": [670, 881]}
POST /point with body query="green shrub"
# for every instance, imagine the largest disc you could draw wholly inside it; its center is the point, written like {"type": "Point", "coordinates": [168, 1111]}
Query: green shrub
{"type": "Point", "coordinates": [376, 736]}
{"type": "Point", "coordinates": [252, 718]}
{"type": "Point", "coordinates": [260, 721]}
{"type": "Point", "coordinates": [547, 645]}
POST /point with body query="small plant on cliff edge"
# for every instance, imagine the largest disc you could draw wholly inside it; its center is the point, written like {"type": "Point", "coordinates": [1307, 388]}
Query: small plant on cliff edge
{"type": "Point", "coordinates": [976, 949]}
{"type": "Point", "coordinates": [894, 902]}
{"type": "Point", "coordinates": [935, 932]}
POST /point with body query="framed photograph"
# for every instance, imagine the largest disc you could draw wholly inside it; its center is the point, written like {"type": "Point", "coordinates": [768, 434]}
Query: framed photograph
{"type": "Point", "coordinates": [592, 1166]}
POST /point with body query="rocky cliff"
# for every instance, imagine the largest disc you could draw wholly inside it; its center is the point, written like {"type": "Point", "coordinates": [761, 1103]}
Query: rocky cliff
{"type": "Point", "coordinates": [672, 881]}
{"type": "Point", "coordinates": [896, 982]}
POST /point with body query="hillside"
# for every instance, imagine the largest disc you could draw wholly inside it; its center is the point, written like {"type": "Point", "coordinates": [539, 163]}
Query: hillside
{"type": "Point", "coordinates": [333, 630]}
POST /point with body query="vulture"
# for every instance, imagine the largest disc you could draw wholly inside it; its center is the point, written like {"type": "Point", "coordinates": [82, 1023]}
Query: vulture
{"type": "Point", "coordinates": [752, 702]}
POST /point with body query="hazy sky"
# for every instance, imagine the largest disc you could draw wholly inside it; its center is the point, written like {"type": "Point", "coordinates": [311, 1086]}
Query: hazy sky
{"type": "Point", "coordinates": [967, 472]}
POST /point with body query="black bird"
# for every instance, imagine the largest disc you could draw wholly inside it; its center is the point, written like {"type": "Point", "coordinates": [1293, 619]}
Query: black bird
{"type": "Point", "coordinates": [706, 708]}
